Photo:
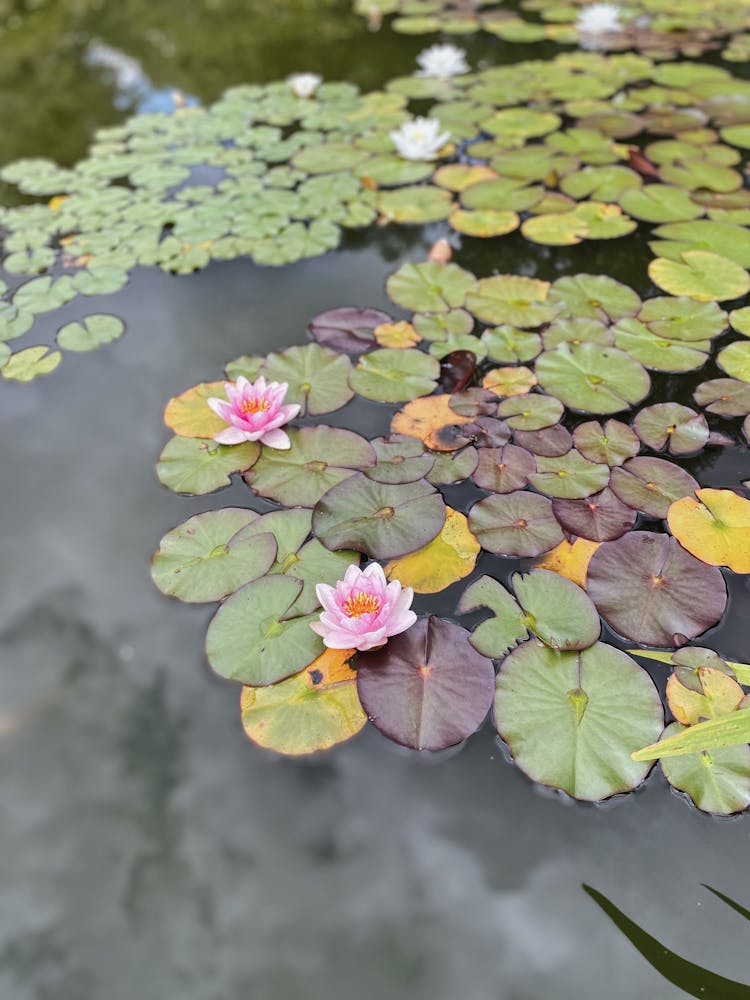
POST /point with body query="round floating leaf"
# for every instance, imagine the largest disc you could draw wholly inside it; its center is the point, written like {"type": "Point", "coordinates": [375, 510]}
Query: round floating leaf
{"type": "Point", "coordinates": [649, 589]}
{"type": "Point", "coordinates": [504, 470]}
{"type": "Point", "coordinates": [577, 331]}
{"type": "Point", "coordinates": [30, 363]}
{"type": "Point", "coordinates": [453, 468]}
{"type": "Point", "coordinates": [506, 343]}
{"type": "Point", "coordinates": [250, 640]}
{"type": "Point", "coordinates": [396, 335]}
{"type": "Point", "coordinates": [530, 412]}
{"type": "Point", "coordinates": [394, 376]}
{"type": "Point", "coordinates": [315, 709]}
{"type": "Point", "coordinates": [317, 378]}
{"type": "Point", "coordinates": [511, 299]}
{"type": "Point", "coordinates": [599, 518]}
{"type": "Point", "coordinates": [348, 329]}
{"type": "Point", "coordinates": [416, 204]}
{"type": "Point", "coordinates": [392, 171]}
{"type": "Point", "coordinates": [726, 396]}
{"type": "Point", "coordinates": [550, 442]}
{"type": "Point", "coordinates": [189, 414]}
{"type": "Point", "coordinates": [659, 353]}
{"type": "Point", "coordinates": [502, 195]}
{"type": "Point", "coordinates": [400, 459]}
{"type": "Point", "coordinates": [715, 528]}
{"type": "Point", "coordinates": [672, 424]}
{"type": "Point", "coordinates": [430, 287]}
{"type": "Point", "coordinates": [508, 624]}
{"type": "Point", "coordinates": [556, 229]}
{"type": "Point", "coordinates": [735, 360]}
{"type": "Point", "coordinates": [189, 465]}
{"type": "Point", "coordinates": [319, 457]}
{"type": "Point", "coordinates": [458, 176]}
{"type": "Point", "coordinates": [557, 611]}
{"type": "Point", "coordinates": [198, 561]}
{"type": "Point", "coordinates": [433, 421]}
{"type": "Point", "coordinates": [659, 203]}
{"type": "Point", "coordinates": [718, 781]}
{"type": "Point", "coordinates": [569, 559]}
{"type": "Point", "coordinates": [90, 333]}
{"type": "Point", "coordinates": [382, 521]}
{"type": "Point", "coordinates": [569, 476]}
{"type": "Point", "coordinates": [483, 223]}
{"type": "Point", "coordinates": [449, 557]}
{"type": "Point", "coordinates": [591, 378]}
{"type": "Point", "coordinates": [440, 326]}
{"type": "Point", "coordinates": [572, 719]}
{"type": "Point", "coordinates": [650, 485]}
{"type": "Point", "coordinates": [683, 318]}
{"type": "Point", "coordinates": [718, 694]}
{"type": "Point", "coordinates": [740, 320]}
{"type": "Point", "coordinates": [426, 688]}
{"type": "Point", "coordinates": [510, 381]}
{"type": "Point", "coordinates": [701, 275]}
{"type": "Point", "coordinates": [612, 444]}
{"type": "Point", "coordinates": [718, 237]}
{"type": "Point", "coordinates": [594, 296]}
{"type": "Point", "coordinates": [515, 524]}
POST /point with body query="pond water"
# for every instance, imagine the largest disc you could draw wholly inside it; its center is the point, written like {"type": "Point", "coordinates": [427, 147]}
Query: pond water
{"type": "Point", "coordinates": [149, 849]}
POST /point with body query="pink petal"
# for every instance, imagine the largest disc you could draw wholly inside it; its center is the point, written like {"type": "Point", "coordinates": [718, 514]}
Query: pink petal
{"type": "Point", "coordinates": [231, 435]}
{"type": "Point", "coordinates": [276, 439]}
{"type": "Point", "coordinates": [220, 407]}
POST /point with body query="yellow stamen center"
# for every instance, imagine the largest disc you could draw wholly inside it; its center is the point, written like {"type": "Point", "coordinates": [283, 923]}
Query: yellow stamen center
{"type": "Point", "coordinates": [360, 604]}
{"type": "Point", "coordinates": [256, 404]}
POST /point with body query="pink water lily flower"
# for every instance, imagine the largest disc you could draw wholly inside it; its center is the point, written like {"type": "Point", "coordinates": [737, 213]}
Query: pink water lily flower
{"type": "Point", "coordinates": [254, 412]}
{"type": "Point", "coordinates": [363, 609]}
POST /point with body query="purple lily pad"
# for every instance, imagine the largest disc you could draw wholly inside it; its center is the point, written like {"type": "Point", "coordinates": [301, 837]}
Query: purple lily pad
{"type": "Point", "coordinates": [515, 524]}
{"type": "Point", "coordinates": [549, 442]}
{"type": "Point", "coordinates": [678, 427]}
{"type": "Point", "coordinates": [487, 432]}
{"type": "Point", "coordinates": [348, 329]}
{"type": "Point", "coordinates": [504, 470]}
{"type": "Point", "coordinates": [474, 402]}
{"type": "Point", "coordinates": [726, 396]}
{"type": "Point", "coordinates": [401, 459]}
{"type": "Point", "coordinates": [614, 443]}
{"type": "Point", "coordinates": [650, 590]}
{"type": "Point", "coordinates": [428, 688]}
{"type": "Point", "coordinates": [600, 518]}
{"type": "Point", "coordinates": [651, 485]}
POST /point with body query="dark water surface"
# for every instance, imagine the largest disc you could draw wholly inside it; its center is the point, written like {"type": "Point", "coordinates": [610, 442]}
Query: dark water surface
{"type": "Point", "coordinates": [149, 850]}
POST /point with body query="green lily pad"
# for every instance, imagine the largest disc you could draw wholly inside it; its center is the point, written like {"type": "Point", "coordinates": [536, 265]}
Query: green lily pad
{"type": "Point", "coordinates": [659, 353]}
{"type": "Point", "coordinates": [718, 781]}
{"type": "Point", "coordinates": [90, 333]}
{"type": "Point", "coordinates": [683, 318]}
{"type": "Point", "coordinates": [572, 719]}
{"type": "Point", "coordinates": [594, 296]}
{"type": "Point", "coordinates": [735, 360]}
{"type": "Point", "coordinates": [649, 589]}
{"type": "Point", "coordinates": [705, 276]}
{"type": "Point", "coordinates": [671, 425]}
{"type": "Point", "coordinates": [392, 375]}
{"type": "Point", "coordinates": [380, 520]}
{"type": "Point", "coordinates": [592, 379]}
{"type": "Point", "coordinates": [483, 223]}
{"type": "Point", "coordinates": [319, 458]}
{"type": "Point", "coordinates": [317, 377]}
{"type": "Point", "coordinates": [507, 626]}
{"type": "Point", "coordinates": [430, 287]}
{"type": "Point", "coordinates": [612, 444]}
{"type": "Point", "coordinates": [194, 466]}
{"type": "Point", "coordinates": [577, 331]}
{"type": "Point", "coordinates": [511, 345]}
{"type": "Point", "coordinates": [511, 299]}
{"type": "Point", "coordinates": [453, 467]}
{"type": "Point", "coordinates": [515, 524]}
{"type": "Point", "coordinates": [569, 476]}
{"type": "Point", "coordinates": [557, 611]}
{"type": "Point", "coordinates": [426, 688]}
{"type": "Point", "coordinates": [43, 294]}
{"type": "Point", "coordinates": [30, 363]}
{"type": "Point", "coordinates": [502, 195]}
{"type": "Point", "coordinates": [415, 204]}
{"type": "Point", "coordinates": [250, 640]}
{"type": "Point", "coordinates": [718, 237]}
{"type": "Point", "coordinates": [198, 560]}
{"type": "Point", "coordinates": [659, 203]}
{"type": "Point", "coordinates": [531, 411]}
{"type": "Point", "coordinates": [400, 459]}
{"type": "Point", "coordinates": [311, 711]}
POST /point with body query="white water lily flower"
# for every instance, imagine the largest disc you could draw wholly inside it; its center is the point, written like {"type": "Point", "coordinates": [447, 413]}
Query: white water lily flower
{"type": "Point", "coordinates": [304, 84]}
{"type": "Point", "coordinates": [599, 19]}
{"type": "Point", "coordinates": [442, 61]}
{"type": "Point", "coordinates": [419, 139]}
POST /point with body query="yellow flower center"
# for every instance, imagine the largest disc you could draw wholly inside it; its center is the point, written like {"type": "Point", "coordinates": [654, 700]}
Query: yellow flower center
{"type": "Point", "coordinates": [360, 604]}
{"type": "Point", "coordinates": [256, 404]}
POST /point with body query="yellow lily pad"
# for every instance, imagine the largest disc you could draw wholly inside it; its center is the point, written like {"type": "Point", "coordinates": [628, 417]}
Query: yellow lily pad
{"type": "Point", "coordinates": [570, 559]}
{"type": "Point", "coordinates": [189, 414]}
{"type": "Point", "coordinates": [398, 336]}
{"type": "Point", "coordinates": [715, 527]}
{"type": "Point", "coordinates": [721, 695]}
{"type": "Point", "coordinates": [448, 558]}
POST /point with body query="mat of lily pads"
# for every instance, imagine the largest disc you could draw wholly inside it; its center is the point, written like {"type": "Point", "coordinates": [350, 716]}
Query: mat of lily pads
{"type": "Point", "coordinates": [522, 478]}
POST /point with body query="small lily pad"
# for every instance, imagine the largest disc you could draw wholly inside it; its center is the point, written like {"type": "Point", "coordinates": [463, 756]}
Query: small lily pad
{"type": "Point", "coordinates": [348, 329]}
{"type": "Point", "coordinates": [714, 526]}
{"type": "Point", "coordinates": [511, 299]}
{"type": "Point", "coordinates": [613, 444]}
{"type": "Point", "coordinates": [599, 518]}
{"type": "Point", "coordinates": [701, 275]}
{"type": "Point", "coordinates": [393, 376]}
{"type": "Point", "coordinates": [569, 476]}
{"type": "Point", "coordinates": [515, 524]}
{"type": "Point", "coordinates": [591, 378]}
{"type": "Point", "coordinates": [505, 469]}
{"type": "Point", "coordinates": [30, 363]}
{"type": "Point", "coordinates": [195, 467]}
{"type": "Point", "coordinates": [90, 333]}
{"type": "Point", "coordinates": [316, 377]}
{"type": "Point", "coordinates": [650, 485]}
{"type": "Point", "coordinates": [430, 287]}
{"type": "Point", "coordinates": [718, 781]}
